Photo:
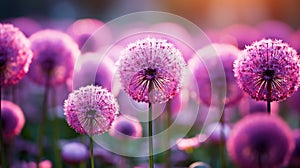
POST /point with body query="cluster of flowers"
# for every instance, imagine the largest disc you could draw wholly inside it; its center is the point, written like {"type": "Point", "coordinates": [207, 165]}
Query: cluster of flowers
{"type": "Point", "coordinates": [257, 67]}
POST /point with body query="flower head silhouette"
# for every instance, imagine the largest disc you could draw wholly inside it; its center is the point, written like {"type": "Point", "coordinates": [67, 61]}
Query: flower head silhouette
{"type": "Point", "coordinates": [268, 70]}
{"type": "Point", "coordinates": [151, 64]}
{"type": "Point", "coordinates": [15, 54]}
{"type": "Point", "coordinates": [54, 55]}
{"type": "Point", "coordinates": [260, 140]}
{"type": "Point", "coordinates": [91, 110]}
{"type": "Point", "coordinates": [13, 119]}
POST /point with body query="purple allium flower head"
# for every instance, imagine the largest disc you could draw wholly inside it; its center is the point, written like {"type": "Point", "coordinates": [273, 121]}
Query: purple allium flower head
{"type": "Point", "coordinates": [54, 55]}
{"type": "Point", "coordinates": [227, 53]}
{"type": "Point", "coordinates": [260, 140]}
{"type": "Point", "coordinates": [126, 127]}
{"type": "Point", "coordinates": [15, 54]}
{"type": "Point", "coordinates": [295, 158]}
{"type": "Point", "coordinates": [84, 32]}
{"type": "Point", "coordinates": [74, 153]}
{"type": "Point", "coordinates": [91, 110]}
{"type": "Point", "coordinates": [155, 61]}
{"type": "Point", "coordinates": [268, 70]}
{"type": "Point", "coordinates": [12, 118]}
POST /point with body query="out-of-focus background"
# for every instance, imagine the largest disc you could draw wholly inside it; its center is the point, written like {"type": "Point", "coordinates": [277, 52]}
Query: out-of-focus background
{"type": "Point", "coordinates": [205, 13]}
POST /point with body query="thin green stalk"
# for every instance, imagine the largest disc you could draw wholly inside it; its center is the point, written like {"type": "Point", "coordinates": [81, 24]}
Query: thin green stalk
{"type": "Point", "coordinates": [57, 158]}
{"type": "Point", "coordinates": [43, 123]}
{"type": "Point", "coordinates": [92, 152]}
{"type": "Point", "coordinates": [222, 143]}
{"type": "Point", "coordinates": [3, 161]}
{"type": "Point", "coordinates": [269, 90]}
{"type": "Point", "coordinates": [168, 151]}
{"type": "Point", "coordinates": [150, 136]}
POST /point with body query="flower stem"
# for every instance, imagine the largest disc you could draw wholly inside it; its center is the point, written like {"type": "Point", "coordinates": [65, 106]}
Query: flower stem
{"type": "Point", "coordinates": [3, 161]}
{"type": "Point", "coordinates": [92, 151]}
{"type": "Point", "coordinates": [43, 122]}
{"type": "Point", "coordinates": [269, 91]}
{"type": "Point", "coordinates": [168, 121]}
{"type": "Point", "coordinates": [151, 160]}
{"type": "Point", "coordinates": [222, 144]}
{"type": "Point", "coordinates": [57, 157]}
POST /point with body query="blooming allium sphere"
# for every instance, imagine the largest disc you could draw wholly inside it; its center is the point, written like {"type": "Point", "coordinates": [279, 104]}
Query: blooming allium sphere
{"type": "Point", "coordinates": [151, 64]}
{"type": "Point", "coordinates": [260, 140]}
{"type": "Point", "coordinates": [91, 110]}
{"type": "Point", "coordinates": [15, 54]}
{"type": "Point", "coordinates": [126, 127]}
{"type": "Point", "coordinates": [54, 55]}
{"type": "Point", "coordinates": [227, 54]}
{"type": "Point", "coordinates": [268, 70]}
{"type": "Point", "coordinates": [12, 118]}
{"type": "Point", "coordinates": [74, 153]}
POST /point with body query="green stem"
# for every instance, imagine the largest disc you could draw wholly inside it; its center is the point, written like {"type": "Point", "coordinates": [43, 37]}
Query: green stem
{"type": "Point", "coordinates": [150, 132]}
{"type": "Point", "coordinates": [57, 158]}
{"type": "Point", "coordinates": [222, 144]}
{"type": "Point", "coordinates": [150, 136]}
{"type": "Point", "coordinates": [92, 152]}
{"type": "Point", "coordinates": [269, 92]}
{"type": "Point", "coordinates": [43, 123]}
{"type": "Point", "coordinates": [169, 118]}
{"type": "Point", "coordinates": [3, 161]}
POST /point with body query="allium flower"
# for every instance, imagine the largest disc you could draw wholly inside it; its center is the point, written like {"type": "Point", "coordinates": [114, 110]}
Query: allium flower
{"type": "Point", "coordinates": [74, 153]}
{"type": "Point", "coordinates": [151, 62]}
{"type": "Point", "coordinates": [15, 54]}
{"type": "Point", "coordinates": [260, 140]}
{"type": "Point", "coordinates": [126, 127]}
{"type": "Point", "coordinates": [54, 55]}
{"type": "Point", "coordinates": [268, 70]}
{"type": "Point", "coordinates": [12, 118]}
{"type": "Point", "coordinates": [227, 54]}
{"type": "Point", "coordinates": [91, 110]}
{"type": "Point", "coordinates": [84, 32]}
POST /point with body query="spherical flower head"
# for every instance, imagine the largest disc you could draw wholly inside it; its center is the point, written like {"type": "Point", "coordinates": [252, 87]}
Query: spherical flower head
{"type": "Point", "coordinates": [15, 54]}
{"type": "Point", "coordinates": [91, 110]}
{"type": "Point", "coordinates": [260, 140]}
{"type": "Point", "coordinates": [151, 70]}
{"type": "Point", "coordinates": [13, 119]}
{"type": "Point", "coordinates": [227, 54]}
{"type": "Point", "coordinates": [126, 127]}
{"type": "Point", "coordinates": [54, 55]}
{"type": "Point", "coordinates": [268, 70]}
{"type": "Point", "coordinates": [74, 153]}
